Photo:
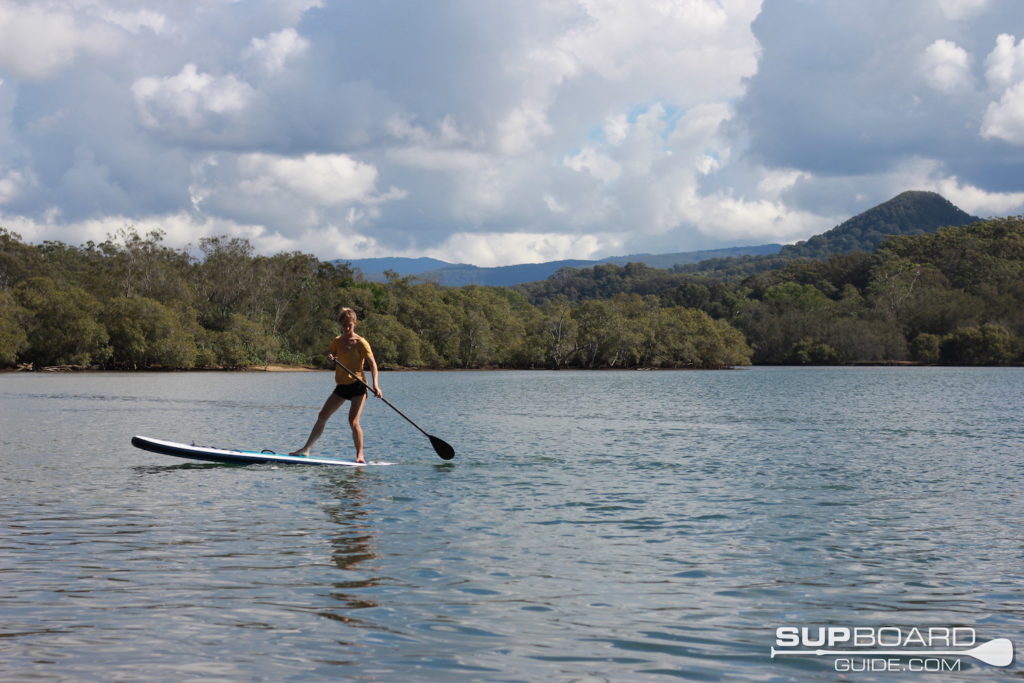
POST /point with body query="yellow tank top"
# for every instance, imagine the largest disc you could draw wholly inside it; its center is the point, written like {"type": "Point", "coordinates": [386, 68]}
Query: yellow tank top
{"type": "Point", "coordinates": [351, 358]}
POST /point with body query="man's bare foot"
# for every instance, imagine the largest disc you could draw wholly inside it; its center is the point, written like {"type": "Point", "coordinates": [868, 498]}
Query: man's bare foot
{"type": "Point", "coordinates": [300, 453]}
{"type": "Point", "coordinates": [360, 460]}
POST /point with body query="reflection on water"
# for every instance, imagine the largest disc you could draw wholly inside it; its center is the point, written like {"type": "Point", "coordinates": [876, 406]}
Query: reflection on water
{"type": "Point", "coordinates": [353, 547]}
{"type": "Point", "coordinates": [614, 526]}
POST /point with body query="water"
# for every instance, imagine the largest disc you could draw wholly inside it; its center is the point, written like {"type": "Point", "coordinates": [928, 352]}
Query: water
{"type": "Point", "coordinates": [593, 526]}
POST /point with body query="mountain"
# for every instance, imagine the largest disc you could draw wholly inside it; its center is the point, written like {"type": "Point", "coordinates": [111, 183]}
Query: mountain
{"type": "Point", "coordinates": [373, 268]}
{"type": "Point", "coordinates": [459, 274]}
{"type": "Point", "coordinates": [686, 257]}
{"type": "Point", "coordinates": [910, 213]}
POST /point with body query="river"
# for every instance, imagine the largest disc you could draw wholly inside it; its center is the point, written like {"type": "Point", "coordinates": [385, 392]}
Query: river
{"type": "Point", "coordinates": [593, 526]}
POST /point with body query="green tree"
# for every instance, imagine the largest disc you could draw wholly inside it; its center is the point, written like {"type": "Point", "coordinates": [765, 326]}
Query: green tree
{"type": "Point", "coordinates": [13, 338]}
{"type": "Point", "coordinates": [393, 343]}
{"type": "Point", "coordinates": [18, 261]}
{"type": "Point", "coordinates": [606, 337]}
{"type": "Point", "coordinates": [144, 333]}
{"type": "Point", "coordinates": [130, 265]}
{"type": "Point", "coordinates": [808, 351]}
{"type": "Point", "coordinates": [244, 342]}
{"type": "Point", "coordinates": [226, 282]}
{"type": "Point", "coordinates": [987, 344]}
{"type": "Point", "coordinates": [423, 309]}
{"type": "Point", "coordinates": [63, 326]}
{"type": "Point", "coordinates": [926, 348]}
{"type": "Point", "coordinates": [558, 334]}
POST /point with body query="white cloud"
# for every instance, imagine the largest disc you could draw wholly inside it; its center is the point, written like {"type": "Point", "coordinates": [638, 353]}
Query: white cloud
{"type": "Point", "coordinates": [962, 9]}
{"type": "Point", "coordinates": [39, 39]}
{"type": "Point", "coordinates": [11, 183]}
{"type": "Point", "coordinates": [977, 201]}
{"type": "Point", "coordinates": [522, 127]}
{"type": "Point", "coordinates": [180, 228]}
{"type": "Point", "coordinates": [683, 52]}
{"type": "Point", "coordinates": [1005, 119]}
{"type": "Point", "coordinates": [708, 41]}
{"type": "Point", "coordinates": [324, 179]}
{"type": "Point", "coordinates": [504, 131]}
{"type": "Point", "coordinates": [946, 67]}
{"type": "Point", "coordinates": [774, 183]}
{"type": "Point", "coordinates": [931, 175]}
{"type": "Point", "coordinates": [189, 98]}
{"type": "Point", "coordinates": [498, 249]}
{"type": "Point", "coordinates": [294, 9]}
{"type": "Point", "coordinates": [438, 159]}
{"type": "Point", "coordinates": [1004, 70]}
{"type": "Point", "coordinates": [616, 128]}
{"type": "Point", "coordinates": [274, 52]}
{"type": "Point", "coordinates": [289, 195]}
{"type": "Point", "coordinates": [760, 219]}
{"type": "Point", "coordinates": [598, 165]}
{"type": "Point", "coordinates": [1004, 66]}
{"type": "Point", "coordinates": [135, 21]}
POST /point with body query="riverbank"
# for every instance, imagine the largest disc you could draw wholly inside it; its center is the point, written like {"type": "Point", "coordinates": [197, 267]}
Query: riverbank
{"type": "Point", "coordinates": [274, 367]}
{"type": "Point", "coordinates": [280, 367]}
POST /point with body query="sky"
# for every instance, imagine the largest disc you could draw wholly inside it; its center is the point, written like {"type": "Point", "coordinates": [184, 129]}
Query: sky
{"type": "Point", "coordinates": [496, 132]}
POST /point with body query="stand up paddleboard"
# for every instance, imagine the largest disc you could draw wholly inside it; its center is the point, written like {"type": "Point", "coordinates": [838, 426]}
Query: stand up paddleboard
{"type": "Point", "coordinates": [183, 450]}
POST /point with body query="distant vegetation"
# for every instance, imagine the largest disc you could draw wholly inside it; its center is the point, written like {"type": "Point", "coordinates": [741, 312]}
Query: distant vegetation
{"type": "Point", "coordinates": [910, 213]}
{"type": "Point", "coordinates": [132, 303]}
{"type": "Point", "coordinates": [955, 296]}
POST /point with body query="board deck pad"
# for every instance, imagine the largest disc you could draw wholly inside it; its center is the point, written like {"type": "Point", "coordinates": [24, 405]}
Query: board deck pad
{"type": "Point", "coordinates": [211, 454]}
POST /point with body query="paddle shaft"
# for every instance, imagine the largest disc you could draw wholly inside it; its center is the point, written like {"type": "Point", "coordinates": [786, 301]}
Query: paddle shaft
{"type": "Point", "coordinates": [390, 405]}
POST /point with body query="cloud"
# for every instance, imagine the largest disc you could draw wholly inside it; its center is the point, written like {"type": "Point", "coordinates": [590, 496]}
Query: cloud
{"type": "Point", "coordinates": [976, 200]}
{"type": "Point", "coordinates": [962, 9]}
{"type": "Point", "coordinates": [1004, 70]}
{"type": "Point", "coordinates": [38, 40]}
{"type": "Point", "coordinates": [512, 130]}
{"type": "Point", "coordinates": [497, 249]}
{"type": "Point", "coordinates": [273, 52]}
{"type": "Point", "coordinates": [1005, 119]}
{"type": "Point", "coordinates": [1004, 66]}
{"type": "Point", "coordinates": [11, 183]}
{"type": "Point", "coordinates": [190, 100]}
{"type": "Point", "coordinates": [180, 229]}
{"type": "Point", "coordinates": [135, 21]}
{"type": "Point", "coordinates": [926, 174]}
{"type": "Point", "coordinates": [600, 166]}
{"type": "Point", "coordinates": [946, 67]}
{"type": "Point", "coordinates": [324, 179]}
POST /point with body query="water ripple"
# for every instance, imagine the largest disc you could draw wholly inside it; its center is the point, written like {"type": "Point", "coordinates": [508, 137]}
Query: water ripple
{"type": "Point", "coordinates": [654, 539]}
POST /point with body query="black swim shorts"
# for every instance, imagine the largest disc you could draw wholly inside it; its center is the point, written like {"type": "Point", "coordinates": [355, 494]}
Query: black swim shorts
{"type": "Point", "coordinates": [350, 391]}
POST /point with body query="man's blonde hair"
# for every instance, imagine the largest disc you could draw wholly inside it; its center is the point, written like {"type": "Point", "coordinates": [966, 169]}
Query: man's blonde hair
{"type": "Point", "coordinates": [346, 314]}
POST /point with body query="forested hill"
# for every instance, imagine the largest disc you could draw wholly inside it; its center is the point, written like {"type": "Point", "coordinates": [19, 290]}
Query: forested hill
{"type": "Point", "coordinates": [910, 213]}
{"type": "Point", "coordinates": [954, 296]}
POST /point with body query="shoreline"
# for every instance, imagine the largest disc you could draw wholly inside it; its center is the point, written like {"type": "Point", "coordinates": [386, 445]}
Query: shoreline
{"type": "Point", "coordinates": [281, 367]}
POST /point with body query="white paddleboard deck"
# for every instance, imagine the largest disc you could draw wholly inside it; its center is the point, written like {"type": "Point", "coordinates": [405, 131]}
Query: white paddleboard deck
{"type": "Point", "coordinates": [210, 454]}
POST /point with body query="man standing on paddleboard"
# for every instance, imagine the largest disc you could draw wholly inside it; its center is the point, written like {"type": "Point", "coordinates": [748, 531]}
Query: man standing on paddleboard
{"type": "Point", "coordinates": [348, 351]}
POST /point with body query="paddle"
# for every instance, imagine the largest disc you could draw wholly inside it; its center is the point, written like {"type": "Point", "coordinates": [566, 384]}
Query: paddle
{"type": "Point", "coordinates": [444, 450]}
{"type": "Point", "coordinates": [997, 652]}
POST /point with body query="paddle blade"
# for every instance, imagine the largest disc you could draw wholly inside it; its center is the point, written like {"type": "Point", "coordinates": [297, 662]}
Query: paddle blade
{"type": "Point", "coordinates": [442, 447]}
{"type": "Point", "coordinates": [998, 652]}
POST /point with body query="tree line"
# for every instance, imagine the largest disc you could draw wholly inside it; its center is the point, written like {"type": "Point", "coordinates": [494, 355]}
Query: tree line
{"type": "Point", "coordinates": [131, 302]}
{"type": "Point", "coordinates": [955, 296]}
